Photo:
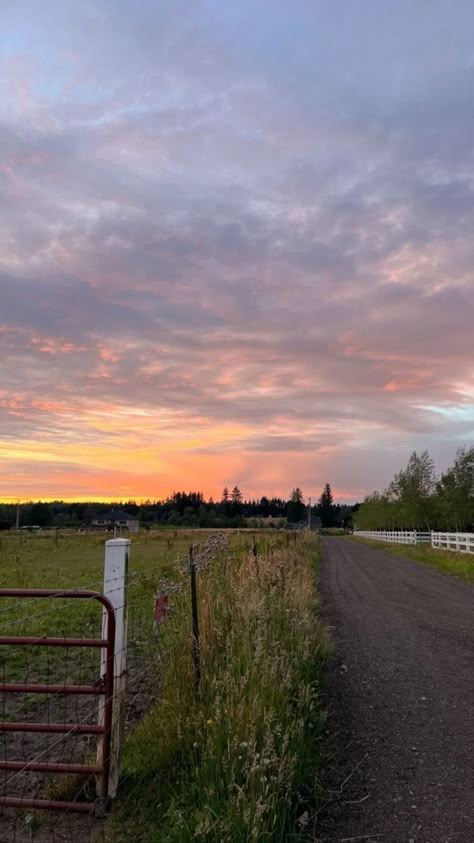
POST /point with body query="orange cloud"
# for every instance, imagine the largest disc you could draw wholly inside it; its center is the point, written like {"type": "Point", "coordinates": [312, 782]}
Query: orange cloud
{"type": "Point", "coordinates": [108, 354]}
{"type": "Point", "coordinates": [50, 345]}
{"type": "Point", "coordinates": [399, 386]}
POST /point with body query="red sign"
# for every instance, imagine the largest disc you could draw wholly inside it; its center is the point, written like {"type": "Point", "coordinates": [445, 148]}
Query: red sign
{"type": "Point", "coordinates": [160, 608]}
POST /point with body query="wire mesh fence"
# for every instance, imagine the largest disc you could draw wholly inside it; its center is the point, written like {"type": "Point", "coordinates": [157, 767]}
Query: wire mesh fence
{"type": "Point", "coordinates": [63, 764]}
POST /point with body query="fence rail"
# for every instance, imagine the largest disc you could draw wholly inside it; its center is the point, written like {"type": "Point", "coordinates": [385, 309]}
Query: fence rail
{"type": "Point", "coordinates": [102, 687]}
{"type": "Point", "coordinates": [395, 536]}
{"type": "Point", "coordinates": [460, 542]}
{"type": "Point", "coordinates": [457, 542]}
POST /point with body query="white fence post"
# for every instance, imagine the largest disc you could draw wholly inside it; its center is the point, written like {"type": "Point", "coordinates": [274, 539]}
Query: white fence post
{"type": "Point", "coordinates": [460, 542]}
{"type": "Point", "coordinates": [117, 553]}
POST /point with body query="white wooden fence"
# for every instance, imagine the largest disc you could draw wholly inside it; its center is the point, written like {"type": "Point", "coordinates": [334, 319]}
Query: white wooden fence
{"type": "Point", "coordinates": [460, 542]}
{"type": "Point", "coordinates": [395, 536]}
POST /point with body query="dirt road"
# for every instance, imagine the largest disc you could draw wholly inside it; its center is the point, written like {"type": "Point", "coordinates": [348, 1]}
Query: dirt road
{"type": "Point", "coordinates": [401, 694]}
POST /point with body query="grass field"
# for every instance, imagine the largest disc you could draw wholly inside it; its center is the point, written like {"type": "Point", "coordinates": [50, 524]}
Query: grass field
{"type": "Point", "coordinates": [245, 748]}
{"type": "Point", "coordinates": [238, 760]}
{"type": "Point", "coordinates": [73, 561]}
{"type": "Point", "coordinates": [456, 564]}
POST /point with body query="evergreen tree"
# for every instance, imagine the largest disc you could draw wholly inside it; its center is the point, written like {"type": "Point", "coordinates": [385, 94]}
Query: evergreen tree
{"type": "Point", "coordinates": [236, 495]}
{"type": "Point", "coordinates": [296, 509]}
{"type": "Point", "coordinates": [40, 514]}
{"type": "Point", "coordinates": [236, 500]}
{"type": "Point", "coordinates": [326, 508]}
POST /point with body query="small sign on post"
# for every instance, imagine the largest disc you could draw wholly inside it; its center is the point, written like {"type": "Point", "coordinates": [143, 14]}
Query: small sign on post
{"type": "Point", "coordinates": [160, 609]}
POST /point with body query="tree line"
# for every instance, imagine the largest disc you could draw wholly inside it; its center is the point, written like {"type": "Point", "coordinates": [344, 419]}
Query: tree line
{"type": "Point", "coordinates": [187, 509]}
{"type": "Point", "coordinates": [419, 499]}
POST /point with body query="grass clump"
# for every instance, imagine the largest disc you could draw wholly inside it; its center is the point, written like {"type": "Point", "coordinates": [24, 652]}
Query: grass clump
{"type": "Point", "coordinates": [459, 565]}
{"type": "Point", "coordinates": [238, 760]}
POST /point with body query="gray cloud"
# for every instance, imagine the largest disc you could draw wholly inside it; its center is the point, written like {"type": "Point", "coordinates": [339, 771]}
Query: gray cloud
{"type": "Point", "coordinates": [258, 215]}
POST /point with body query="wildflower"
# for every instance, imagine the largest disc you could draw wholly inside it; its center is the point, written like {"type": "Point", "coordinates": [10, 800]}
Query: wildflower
{"type": "Point", "coordinates": [303, 820]}
{"type": "Point", "coordinates": [210, 722]}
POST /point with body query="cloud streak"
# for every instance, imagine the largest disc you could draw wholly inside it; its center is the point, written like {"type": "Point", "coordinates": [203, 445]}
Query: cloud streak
{"type": "Point", "coordinates": [236, 245]}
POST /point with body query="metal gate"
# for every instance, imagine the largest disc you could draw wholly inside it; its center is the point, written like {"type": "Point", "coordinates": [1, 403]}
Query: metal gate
{"type": "Point", "coordinates": [104, 686]}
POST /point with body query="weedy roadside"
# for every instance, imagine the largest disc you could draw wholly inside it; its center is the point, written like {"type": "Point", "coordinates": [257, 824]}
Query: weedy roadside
{"type": "Point", "coordinates": [239, 758]}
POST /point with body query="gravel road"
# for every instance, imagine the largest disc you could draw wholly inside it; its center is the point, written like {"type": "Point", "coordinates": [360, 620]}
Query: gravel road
{"type": "Point", "coordinates": [401, 698]}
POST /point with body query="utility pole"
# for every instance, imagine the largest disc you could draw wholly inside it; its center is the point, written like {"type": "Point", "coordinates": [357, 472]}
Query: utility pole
{"type": "Point", "coordinates": [17, 521]}
{"type": "Point", "coordinates": [309, 514]}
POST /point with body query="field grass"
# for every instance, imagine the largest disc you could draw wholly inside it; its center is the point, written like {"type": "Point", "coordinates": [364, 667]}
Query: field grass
{"type": "Point", "coordinates": [73, 561]}
{"type": "Point", "coordinates": [459, 565]}
{"type": "Point", "coordinates": [239, 760]}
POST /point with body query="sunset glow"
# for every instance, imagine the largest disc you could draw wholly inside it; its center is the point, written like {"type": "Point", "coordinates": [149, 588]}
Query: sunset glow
{"type": "Point", "coordinates": [236, 246]}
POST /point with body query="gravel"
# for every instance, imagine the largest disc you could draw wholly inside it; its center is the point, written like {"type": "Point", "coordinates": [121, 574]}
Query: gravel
{"type": "Point", "coordinates": [400, 692]}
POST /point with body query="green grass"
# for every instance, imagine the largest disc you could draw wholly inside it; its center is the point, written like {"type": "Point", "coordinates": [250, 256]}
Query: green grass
{"type": "Point", "coordinates": [75, 561]}
{"type": "Point", "coordinates": [238, 761]}
{"type": "Point", "coordinates": [459, 565]}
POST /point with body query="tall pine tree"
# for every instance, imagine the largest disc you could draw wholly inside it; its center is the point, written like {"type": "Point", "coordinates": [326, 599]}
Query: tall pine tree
{"type": "Point", "coordinates": [326, 508]}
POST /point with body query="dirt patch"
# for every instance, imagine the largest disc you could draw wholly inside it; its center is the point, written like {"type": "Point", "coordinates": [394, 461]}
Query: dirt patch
{"type": "Point", "coordinates": [400, 694]}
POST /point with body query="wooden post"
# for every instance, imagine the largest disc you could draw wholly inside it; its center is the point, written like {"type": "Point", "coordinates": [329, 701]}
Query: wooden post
{"type": "Point", "coordinates": [117, 553]}
{"type": "Point", "coordinates": [194, 604]}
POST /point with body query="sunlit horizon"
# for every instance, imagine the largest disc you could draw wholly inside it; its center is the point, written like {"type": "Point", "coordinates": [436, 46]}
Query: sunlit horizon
{"type": "Point", "coordinates": [236, 246]}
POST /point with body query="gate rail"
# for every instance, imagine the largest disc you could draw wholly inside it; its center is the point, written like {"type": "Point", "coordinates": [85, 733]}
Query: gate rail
{"type": "Point", "coordinates": [104, 686]}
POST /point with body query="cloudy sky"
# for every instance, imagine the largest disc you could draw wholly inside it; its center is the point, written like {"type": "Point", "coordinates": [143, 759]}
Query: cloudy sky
{"type": "Point", "coordinates": [236, 244]}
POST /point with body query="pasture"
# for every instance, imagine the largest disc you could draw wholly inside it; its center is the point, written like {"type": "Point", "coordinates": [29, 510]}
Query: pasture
{"type": "Point", "coordinates": [74, 561]}
{"type": "Point", "coordinates": [255, 600]}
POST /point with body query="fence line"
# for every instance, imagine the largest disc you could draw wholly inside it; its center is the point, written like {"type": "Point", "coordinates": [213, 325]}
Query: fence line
{"type": "Point", "coordinates": [395, 536]}
{"type": "Point", "coordinates": [457, 542]}
{"type": "Point", "coordinates": [150, 610]}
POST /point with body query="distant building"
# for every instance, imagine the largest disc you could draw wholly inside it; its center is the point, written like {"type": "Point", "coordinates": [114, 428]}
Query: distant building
{"type": "Point", "coordinates": [296, 525]}
{"type": "Point", "coordinates": [303, 524]}
{"type": "Point", "coordinates": [316, 522]}
{"type": "Point", "coordinates": [117, 518]}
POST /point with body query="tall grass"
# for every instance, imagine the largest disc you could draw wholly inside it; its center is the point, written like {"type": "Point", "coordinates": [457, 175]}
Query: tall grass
{"type": "Point", "coordinates": [238, 760]}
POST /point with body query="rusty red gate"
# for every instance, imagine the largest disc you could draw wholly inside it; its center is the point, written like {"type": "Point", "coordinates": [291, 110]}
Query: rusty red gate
{"type": "Point", "coordinates": [104, 686]}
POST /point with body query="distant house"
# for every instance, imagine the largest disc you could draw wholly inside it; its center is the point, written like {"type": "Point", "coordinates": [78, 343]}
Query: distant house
{"type": "Point", "coordinates": [297, 525]}
{"type": "Point", "coordinates": [316, 522]}
{"type": "Point", "coordinates": [303, 524]}
{"type": "Point", "coordinates": [117, 518]}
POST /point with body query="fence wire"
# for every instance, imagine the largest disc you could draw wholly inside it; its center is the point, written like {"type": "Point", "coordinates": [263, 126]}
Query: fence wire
{"type": "Point", "coordinates": [152, 631]}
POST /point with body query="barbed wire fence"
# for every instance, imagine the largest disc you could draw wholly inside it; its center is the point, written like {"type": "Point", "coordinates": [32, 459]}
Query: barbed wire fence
{"type": "Point", "coordinates": [52, 735]}
{"type": "Point", "coordinates": [51, 739]}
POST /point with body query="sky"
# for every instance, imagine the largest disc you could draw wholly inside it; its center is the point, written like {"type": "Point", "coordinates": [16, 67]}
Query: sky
{"type": "Point", "coordinates": [236, 244]}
